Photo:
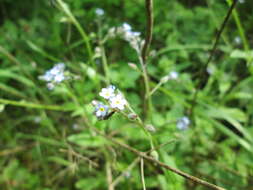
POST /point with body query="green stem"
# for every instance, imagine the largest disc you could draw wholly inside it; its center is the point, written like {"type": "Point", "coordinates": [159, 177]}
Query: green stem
{"type": "Point", "coordinates": [32, 105]}
{"type": "Point", "coordinates": [239, 27]}
{"type": "Point", "coordinates": [85, 37]}
{"type": "Point", "coordinates": [142, 125]}
{"type": "Point", "coordinates": [148, 109]}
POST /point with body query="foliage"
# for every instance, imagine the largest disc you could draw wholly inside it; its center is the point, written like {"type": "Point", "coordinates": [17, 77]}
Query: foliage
{"type": "Point", "coordinates": [45, 142]}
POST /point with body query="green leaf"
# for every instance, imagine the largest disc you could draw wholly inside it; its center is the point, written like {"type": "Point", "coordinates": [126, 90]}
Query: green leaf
{"type": "Point", "coordinates": [2, 106]}
{"type": "Point", "coordinates": [87, 140]}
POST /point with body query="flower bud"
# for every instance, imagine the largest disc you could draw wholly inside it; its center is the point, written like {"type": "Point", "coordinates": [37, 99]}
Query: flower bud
{"type": "Point", "coordinates": [132, 116]}
{"type": "Point", "coordinates": [165, 79]}
{"type": "Point", "coordinates": [150, 128]}
{"type": "Point", "coordinates": [94, 102]}
{"type": "Point", "coordinates": [133, 66]}
{"type": "Point", "coordinates": [155, 155]}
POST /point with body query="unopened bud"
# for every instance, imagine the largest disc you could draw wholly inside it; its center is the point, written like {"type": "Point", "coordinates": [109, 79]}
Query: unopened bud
{"type": "Point", "coordinates": [132, 116]}
{"type": "Point", "coordinates": [94, 102]}
{"type": "Point", "coordinates": [155, 155]}
{"type": "Point", "coordinates": [150, 128]}
{"type": "Point", "coordinates": [133, 66]}
{"type": "Point", "coordinates": [165, 79]}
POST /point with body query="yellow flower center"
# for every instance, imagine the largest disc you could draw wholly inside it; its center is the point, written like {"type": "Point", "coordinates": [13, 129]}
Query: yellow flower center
{"type": "Point", "coordinates": [102, 109]}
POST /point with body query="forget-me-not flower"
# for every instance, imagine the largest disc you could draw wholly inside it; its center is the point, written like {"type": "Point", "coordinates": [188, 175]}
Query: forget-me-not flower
{"type": "Point", "coordinates": [108, 92]}
{"type": "Point", "coordinates": [118, 102]}
{"type": "Point", "coordinates": [54, 75]}
{"type": "Point", "coordinates": [183, 123]}
{"type": "Point", "coordinates": [101, 110]}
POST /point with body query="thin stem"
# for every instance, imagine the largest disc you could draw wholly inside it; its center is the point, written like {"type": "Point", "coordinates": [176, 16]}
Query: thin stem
{"type": "Point", "coordinates": [141, 124]}
{"type": "Point", "coordinates": [136, 161]}
{"type": "Point", "coordinates": [147, 101]}
{"type": "Point", "coordinates": [10, 56]}
{"type": "Point", "coordinates": [155, 89]}
{"type": "Point", "coordinates": [103, 54]}
{"type": "Point", "coordinates": [109, 176]}
{"type": "Point", "coordinates": [85, 37]}
{"type": "Point", "coordinates": [241, 32]}
{"type": "Point", "coordinates": [32, 105]}
{"type": "Point", "coordinates": [73, 152]}
{"type": "Point", "coordinates": [150, 23]}
{"type": "Point", "coordinates": [154, 161]}
{"type": "Point", "coordinates": [240, 28]}
{"type": "Point", "coordinates": [142, 175]}
{"type": "Point", "coordinates": [218, 36]}
{"type": "Point", "coordinates": [105, 65]}
{"type": "Point", "coordinates": [142, 58]}
{"type": "Point", "coordinates": [128, 169]}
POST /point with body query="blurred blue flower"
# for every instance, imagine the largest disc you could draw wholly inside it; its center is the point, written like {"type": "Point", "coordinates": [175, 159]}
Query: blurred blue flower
{"type": "Point", "coordinates": [99, 12]}
{"type": "Point", "coordinates": [183, 123]}
{"type": "Point", "coordinates": [54, 75]}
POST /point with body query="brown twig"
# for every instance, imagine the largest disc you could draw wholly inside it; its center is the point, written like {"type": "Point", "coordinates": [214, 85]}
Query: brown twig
{"type": "Point", "coordinates": [15, 150]}
{"type": "Point", "coordinates": [217, 38]}
{"type": "Point", "coordinates": [71, 151]}
{"type": "Point", "coordinates": [136, 161]}
{"type": "Point", "coordinates": [150, 21]}
{"type": "Point", "coordinates": [156, 162]}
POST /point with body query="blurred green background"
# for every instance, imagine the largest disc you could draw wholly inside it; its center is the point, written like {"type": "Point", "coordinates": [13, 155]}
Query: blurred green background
{"type": "Point", "coordinates": [44, 143]}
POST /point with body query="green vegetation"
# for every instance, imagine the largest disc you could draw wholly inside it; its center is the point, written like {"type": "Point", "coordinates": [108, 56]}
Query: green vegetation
{"type": "Point", "coordinates": [181, 110]}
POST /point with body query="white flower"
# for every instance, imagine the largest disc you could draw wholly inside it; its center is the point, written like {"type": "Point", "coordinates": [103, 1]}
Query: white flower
{"type": "Point", "coordinates": [99, 12]}
{"type": "Point", "coordinates": [118, 102]}
{"type": "Point", "coordinates": [59, 78]}
{"type": "Point", "coordinates": [126, 27]}
{"type": "Point", "coordinates": [183, 123]}
{"type": "Point", "coordinates": [58, 68]}
{"type": "Point", "coordinates": [108, 92]}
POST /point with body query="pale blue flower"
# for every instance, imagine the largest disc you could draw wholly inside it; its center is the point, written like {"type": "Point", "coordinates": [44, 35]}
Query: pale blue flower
{"type": "Point", "coordinates": [173, 75]}
{"type": "Point", "coordinates": [54, 75]}
{"type": "Point", "coordinates": [99, 12]}
{"type": "Point", "coordinates": [183, 123]}
{"type": "Point", "coordinates": [101, 110]}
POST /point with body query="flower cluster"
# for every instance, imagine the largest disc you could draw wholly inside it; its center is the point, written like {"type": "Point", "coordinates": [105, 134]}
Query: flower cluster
{"type": "Point", "coordinates": [125, 31]}
{"type": "Point", "coordinates": [54, 76]}
{"type": "Point", "coordinates": [116, 101]}
{"type": "Point", "coordinates": [183, 123]}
